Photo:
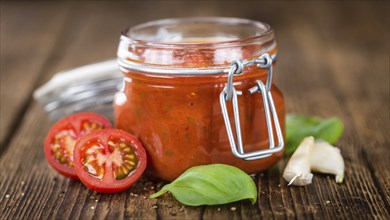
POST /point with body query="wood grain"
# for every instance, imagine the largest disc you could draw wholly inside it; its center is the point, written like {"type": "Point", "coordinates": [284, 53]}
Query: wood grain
{"type": "Point", "coordinates": [26, 45]}
{"type": "Point", "coordinates": [333, 61]}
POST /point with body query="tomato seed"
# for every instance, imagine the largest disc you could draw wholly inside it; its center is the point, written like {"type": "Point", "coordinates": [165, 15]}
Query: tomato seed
{"type": "Point", "coordinates": [127, 166]}
{"type": "Point", "coordinates": [62, 160]}
{"type": "Point", "coordinates": [125, 170]}
{"type": "Point", "coordinates": [122, 155]}
{"type": "Point", "coordinates": [119, 174]}
{"type": "Point", "coordinates": [89, 126]}
{"type": "Point", "coordinates": [62, 146]}
{"type": "Point", "coordinates": [129, 157]}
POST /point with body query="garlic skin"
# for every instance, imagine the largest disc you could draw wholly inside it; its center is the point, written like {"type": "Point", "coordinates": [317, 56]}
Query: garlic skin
{"type": "Point", "coordinates": [297, 171]}
{"type": "Point", "coordinates": [326, 158]}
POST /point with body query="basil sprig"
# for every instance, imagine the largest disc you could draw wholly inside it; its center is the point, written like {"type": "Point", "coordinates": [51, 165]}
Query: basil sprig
{"type": "Point", "coordinates": [301, 126]}
{"type": "Point", "coordinates": [211, 185]}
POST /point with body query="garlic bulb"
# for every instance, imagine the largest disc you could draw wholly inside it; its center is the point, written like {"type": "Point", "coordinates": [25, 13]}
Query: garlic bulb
{"type": "Point", "coordinates": [297, 171]}
{"type": "Point", "coordinates": [326, 158]}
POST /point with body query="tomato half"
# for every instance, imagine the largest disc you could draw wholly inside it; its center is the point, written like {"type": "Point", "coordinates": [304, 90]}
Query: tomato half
{"type": "Point", "coordinates": [109, 160]}
{"type": "Point", "coordinates": [60, 140]}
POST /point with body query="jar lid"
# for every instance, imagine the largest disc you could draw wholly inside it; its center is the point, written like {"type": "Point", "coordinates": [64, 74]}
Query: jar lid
{"type": "Point", "coordinates": [87, 88]}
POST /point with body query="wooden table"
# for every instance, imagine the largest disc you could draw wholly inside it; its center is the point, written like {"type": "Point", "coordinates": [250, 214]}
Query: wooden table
{"type": "Point", "coordinates": [333, 61]}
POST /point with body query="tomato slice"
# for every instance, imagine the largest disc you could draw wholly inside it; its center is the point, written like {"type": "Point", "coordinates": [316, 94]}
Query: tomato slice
{"type": "Point", "coordinates": [59, 142]}
{"type": "Point", "coordinates": [109, 161]}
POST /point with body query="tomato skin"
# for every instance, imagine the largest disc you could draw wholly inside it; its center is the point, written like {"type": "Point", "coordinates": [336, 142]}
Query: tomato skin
{"type": "Point", "coordinates": [73, 122]}
{"type": "Point", "coordinates": [108, 184]}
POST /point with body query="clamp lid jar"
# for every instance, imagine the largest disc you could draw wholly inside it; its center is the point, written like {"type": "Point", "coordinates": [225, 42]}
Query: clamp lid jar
{"type": "Point", "coordinates": [199, 91]}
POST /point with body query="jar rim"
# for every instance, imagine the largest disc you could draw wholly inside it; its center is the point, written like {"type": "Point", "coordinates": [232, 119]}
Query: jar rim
{"type": "Point", "coordinates": [171, 46]}
{"type": "Point", "coordinates": [129, 33]}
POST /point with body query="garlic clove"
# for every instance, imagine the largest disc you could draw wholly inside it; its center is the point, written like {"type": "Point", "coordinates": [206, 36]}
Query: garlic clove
{"type": "Point", "coordinates": [297, 171]}
{"type": "Point", "coordinates": [326, 158]}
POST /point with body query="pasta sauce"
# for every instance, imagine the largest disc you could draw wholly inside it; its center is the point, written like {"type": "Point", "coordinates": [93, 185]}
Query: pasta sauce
{"type": "Point", "coordinates": [172, 84]}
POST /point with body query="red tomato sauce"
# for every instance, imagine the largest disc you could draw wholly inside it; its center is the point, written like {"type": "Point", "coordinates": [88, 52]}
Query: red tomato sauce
{"type": "Point", "coordinates": [179, 121]}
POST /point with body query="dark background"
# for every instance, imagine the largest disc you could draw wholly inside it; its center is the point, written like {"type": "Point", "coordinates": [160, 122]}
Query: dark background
{"type": "Point", "coordinates": [333, 61]}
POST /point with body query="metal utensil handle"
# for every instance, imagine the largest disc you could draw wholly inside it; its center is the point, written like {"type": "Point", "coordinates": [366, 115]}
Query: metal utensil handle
{"type": "Point", "coordinates": [229, 93]}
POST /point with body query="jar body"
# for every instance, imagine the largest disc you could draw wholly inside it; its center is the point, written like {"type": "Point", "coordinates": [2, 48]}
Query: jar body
{"type": "Point", "coordinates": [179, 120]}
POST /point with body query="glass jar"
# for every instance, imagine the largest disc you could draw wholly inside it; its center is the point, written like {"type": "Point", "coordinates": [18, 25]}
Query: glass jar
{"type": "Point", "coordinates": [175, 74]}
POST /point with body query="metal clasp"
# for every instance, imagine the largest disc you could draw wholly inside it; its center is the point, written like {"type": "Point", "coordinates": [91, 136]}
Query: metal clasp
{"type": "Point", "coordinates": [229, 93]}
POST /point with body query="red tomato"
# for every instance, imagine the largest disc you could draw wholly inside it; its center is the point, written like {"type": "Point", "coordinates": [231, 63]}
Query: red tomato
{"type": "Point", "coordinates": [109, 160]}
{"type": "Point", "coordinates": [59, 142]}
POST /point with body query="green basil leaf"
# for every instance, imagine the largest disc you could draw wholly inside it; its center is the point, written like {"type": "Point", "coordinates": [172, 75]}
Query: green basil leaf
{"type": "Point", "coordinates": [211, 185]}
{"type": "Point", "coordinates": [301, 126]}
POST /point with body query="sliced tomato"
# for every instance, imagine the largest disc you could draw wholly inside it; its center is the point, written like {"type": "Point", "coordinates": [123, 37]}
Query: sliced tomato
{"type": "Point", "coordinates": [60, 140]}
{"type": "Point", "coordinates": [109, 160]}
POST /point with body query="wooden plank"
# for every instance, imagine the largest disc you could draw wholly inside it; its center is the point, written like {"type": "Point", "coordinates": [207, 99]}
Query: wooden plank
{"type": "Point", "coordinates": [345, 89]}
{"type": "Point", "coordinates": [369, 93]}
{"type": "Point", "coordinates": [28, 33]}
{"type": "Point", "coordinates": [338, 50]}
{"type": "Point", "coordinates": [367, 89]}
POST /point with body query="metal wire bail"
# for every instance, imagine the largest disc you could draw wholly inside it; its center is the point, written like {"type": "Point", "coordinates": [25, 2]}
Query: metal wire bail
{"type": "Point", "coordinates": [230, 93]}
{"type": "Point", "coordinates": [237, 68]}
